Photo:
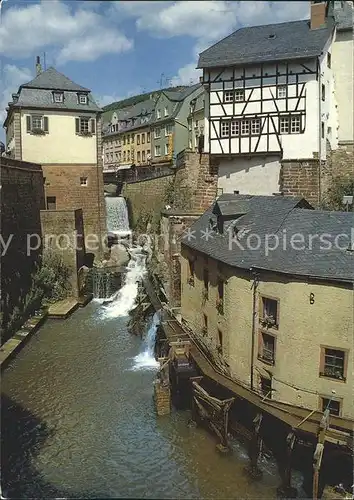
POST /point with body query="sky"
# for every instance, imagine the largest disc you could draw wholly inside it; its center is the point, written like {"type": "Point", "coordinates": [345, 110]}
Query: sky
{"type": "Point", "coordinates": [122, 48]}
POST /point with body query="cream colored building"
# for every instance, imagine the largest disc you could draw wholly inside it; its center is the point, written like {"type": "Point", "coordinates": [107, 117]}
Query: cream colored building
{"type": "Point", "coordinates": [283, 322]}
{"type": "Point", "coordinates": [56, 123]}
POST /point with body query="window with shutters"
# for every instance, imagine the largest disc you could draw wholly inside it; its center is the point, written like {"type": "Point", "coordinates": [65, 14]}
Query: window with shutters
{"type": "Point", "coordinates": [37, 124]}
{"type": "Point", "coordinates": [85, 126]}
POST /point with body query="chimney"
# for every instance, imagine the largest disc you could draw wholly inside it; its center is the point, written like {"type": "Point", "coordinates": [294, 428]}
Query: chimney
{"type": "Point", "coordinates": [318, 15]}
{"type": "Point", "coordinates": [15, 98]}
{"type": "Point", "coordinates": [38, 65]}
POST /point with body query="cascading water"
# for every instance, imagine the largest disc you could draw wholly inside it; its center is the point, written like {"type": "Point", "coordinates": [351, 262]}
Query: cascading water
{"type": "Point", "coordinates": [146, 358]}
{"type": "Point", "coordinates": [124, 300]}
{"type": "Point", "coordinates": [117, 215]}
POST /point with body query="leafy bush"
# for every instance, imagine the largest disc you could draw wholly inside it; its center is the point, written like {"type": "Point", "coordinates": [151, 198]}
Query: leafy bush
{"type": "Point", "coordinates": [341, 186]}
{"type": "Point", "coordinates": [50, 283]}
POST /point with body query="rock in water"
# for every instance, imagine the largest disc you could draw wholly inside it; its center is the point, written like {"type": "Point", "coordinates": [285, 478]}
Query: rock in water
{"type": "Point", "coordinates": [119, 255]}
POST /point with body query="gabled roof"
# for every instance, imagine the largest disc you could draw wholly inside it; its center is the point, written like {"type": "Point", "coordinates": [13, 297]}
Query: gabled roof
{"type": "Point", "coordinates": [272, 42]}
{"type": "Point", "coordinates": [279, 217]}
{"type": "Point", "coordinates": [180, 95]}
{"type": "Point", "coordinates": [53, 80]}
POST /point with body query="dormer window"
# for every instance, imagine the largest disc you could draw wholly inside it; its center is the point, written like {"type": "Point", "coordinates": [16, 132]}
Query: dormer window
{"type": "Point", "coordinates": [58, 97]}
{"type": "Point", "coordinates": [82, 99]}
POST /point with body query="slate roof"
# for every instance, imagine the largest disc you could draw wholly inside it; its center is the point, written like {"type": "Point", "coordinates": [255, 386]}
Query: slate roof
{"type": "Point", "coordinates": [38, 93]}
{"type": "Point", "coordinates": [284, 217]}
{"type": "Point", "coordinates": [53, 80]}
{"type": "Point", "coordinates": [43, 99]}
{"type": "Point", "coordinates": [248, 45]}
{"type": "Point", "coordinates": [180, 95]}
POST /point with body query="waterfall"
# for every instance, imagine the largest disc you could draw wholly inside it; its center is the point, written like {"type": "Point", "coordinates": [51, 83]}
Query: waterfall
{"type": "Point", "coordinates": [146, 359]}
{"type": "Point", "coordinates": [124, 300]}
{"type": "Point", "coordinates": [117, 215]}
{"type": "Point", "coordinates": [102, 284]}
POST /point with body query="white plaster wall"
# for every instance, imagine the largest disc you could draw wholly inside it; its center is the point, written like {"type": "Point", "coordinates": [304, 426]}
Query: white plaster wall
{"type": "Point", "coordinates": [328, 107]}
{"type": "Point", "coordinates": [206, 123]}
{"type": "Point", "coordinates": [343, 69]}
{"type": "Point", "coordinates": [295, 146]}
{"type": "Point", "coordinates": [302, 146]}
{"type": "Point", "coordinates": [61, 144]}
{"type": "Point", "coordinates": [257, 175]}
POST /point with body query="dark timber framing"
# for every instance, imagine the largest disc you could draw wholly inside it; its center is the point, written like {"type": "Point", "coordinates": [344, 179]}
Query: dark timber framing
{"type": "Point", "coordinates": [286, 73]}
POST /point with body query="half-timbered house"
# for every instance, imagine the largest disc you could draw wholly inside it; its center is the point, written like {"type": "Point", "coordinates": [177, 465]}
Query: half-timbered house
{"type": "Point", "coordinates": [270, 98]}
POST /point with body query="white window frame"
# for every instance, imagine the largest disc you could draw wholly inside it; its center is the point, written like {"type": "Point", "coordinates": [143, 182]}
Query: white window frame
{"type": "Point", "coordinates": [82, 99]}
{"type": "Point", "coordinates": [38, 119]}
{"type": "Point", "coordinates": [82, 128]}
{"type": "Point", "coordinates": [166, 111]}
{"type": "Point", "coordinates": [168, 130]}
{"type": "Point", "coordinates": [235, 128]}
{"type": "Point", "coordinates": [245, 127]}
{"type": "Point", "coordinates": [158, 113]}
{"type": "Point", "coordinates": [281, 92]}
{"type": "Point", "coordinates": [58, 97]}
{"type": "Point", "coordinates": [83, 181]}
{"type": "Point", "coordinates": [255, 126]}
{"type": "Point", "coordinates": [229, 96]}
{"type": "Point", "coordinates": [295, 124]}
{"type": "Point", "coordinates": [166, 149]}
{"type": "Point", "coordinates": [157, 133]}
{"type": "Point", "coordinates": [157, 150]}
{"type": "Point", "coordinates": [284, 125]}
{"type": "Point", "coordinates": [239, 95]}
{"type": "Point", "coordinates": [225, 129]}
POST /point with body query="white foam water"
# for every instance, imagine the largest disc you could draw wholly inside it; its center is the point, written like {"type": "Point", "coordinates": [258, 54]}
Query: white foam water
{"type": "Point", "coordinates": [146, 359]}
{"type": "Point", "coordinates": [124, 300]}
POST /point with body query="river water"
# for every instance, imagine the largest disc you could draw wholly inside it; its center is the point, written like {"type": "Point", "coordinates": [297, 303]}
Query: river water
{"type": "Point", "coordinates": [78, 419]}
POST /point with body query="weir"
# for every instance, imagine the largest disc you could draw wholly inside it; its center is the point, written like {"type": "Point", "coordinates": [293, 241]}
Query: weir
{"type": "Point", "coordinates": [117, 216]}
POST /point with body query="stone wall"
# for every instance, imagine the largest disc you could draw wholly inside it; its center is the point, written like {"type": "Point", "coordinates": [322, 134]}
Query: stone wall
{"type": "Point", "coordinates": [60, 230]}
{"type": "Point", "coordinates": [22, 198]}
{"type": "Point", "coordinates": [63, 183]}
{"type": "Point", "coordinates": [145, 200]}
{"type": "Point", "coordinates": [340, 163]}
{"type": "Point", "coordinates": [173, 225]}
{"type": "Point", "coordinates": [301, 177]}
{"type": "Point", "coordinates": [196, 182]}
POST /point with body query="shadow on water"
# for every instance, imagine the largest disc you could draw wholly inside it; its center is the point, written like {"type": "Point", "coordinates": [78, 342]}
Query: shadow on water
{"type": "Point", "coordinates": [22, 436]}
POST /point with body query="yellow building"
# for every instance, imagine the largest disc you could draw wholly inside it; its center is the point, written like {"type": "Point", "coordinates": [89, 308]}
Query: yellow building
{"type": "Point", "coordinates": [281, 318]}
{"type": "Point", "coordinates": [56, 123]}
{"type": "Point", "coordinates": [127, 140]}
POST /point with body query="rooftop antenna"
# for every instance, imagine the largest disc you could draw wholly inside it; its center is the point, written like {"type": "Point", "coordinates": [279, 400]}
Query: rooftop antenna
{"type": "Point", "coordinates": [159, 82]}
